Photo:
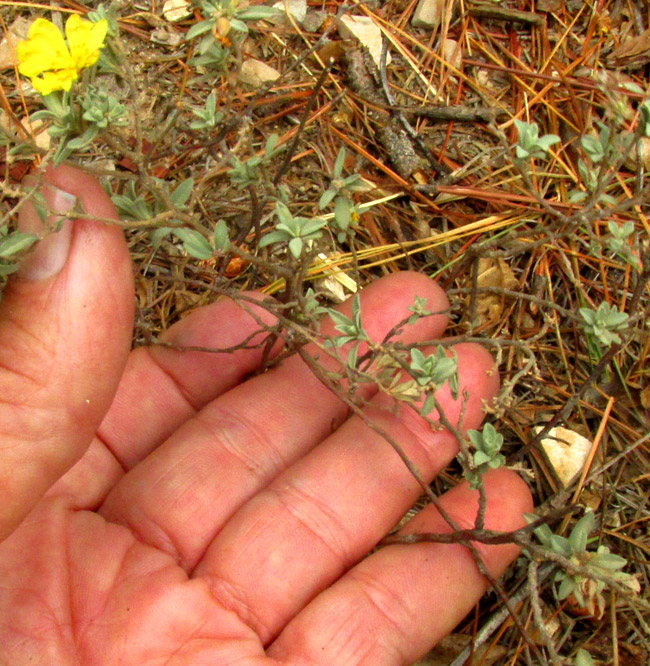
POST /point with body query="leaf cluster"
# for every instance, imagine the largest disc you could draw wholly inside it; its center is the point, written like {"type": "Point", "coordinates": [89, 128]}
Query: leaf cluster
{"type": "Point", "coordinates": [340, 191]}
{"type": "Point", "coordinates": [487, 444]}
{"type": "Point", "coordinates": [434, 369]}
{"type": "Point", "coordinates": [135, 206]}
{"type": "Point", "coordinates": [297, 231]}
{"type": "Point", "coordinates": [207, 117]}
{"type": "Point", "coordinates": [243, 174]}
{"type": "Point", "coordinates": [600, 151]}
{"type": "Point", "coordinates": [78, 125]}
{"type": "Point", "coordinates": [530, 144]}
{"type": "Point", "coordinates": [108, 14]}
{"type": "Point", "coordinates": [429, 372]}
{"type": "Point", "coordinates": [221, 17]}
{"type": "Point", "coordinates": [419, 309]}
{"type": "Point", "coordinates": [586, 589]}
{"type": "Point", "coordinates": [619, 242]}
{"type": "Point", "coordinates": [351, 329]}
{"type": "Point", "coordinates": [604, 322]}
{"type": "Point", "coordinates": [102, 110]}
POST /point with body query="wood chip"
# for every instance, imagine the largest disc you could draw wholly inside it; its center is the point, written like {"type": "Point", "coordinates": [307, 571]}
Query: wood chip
{"type": "Point", "coordinates": [366, 32]}
{"type": "Point", "coordinates": [363, 79]}
{"type": "Point", "coordinates": [177, 10]}
{"type": "Point", "coordinates": [429, 13]}
{"type": "Point", "coordinates": [256, 73]}
{"type": "Point", "coordinates": [297, 9]}
{"type": "Point", "coordinates": [452, 53]}
{"type": "Point", "coordinates": [549, 5]}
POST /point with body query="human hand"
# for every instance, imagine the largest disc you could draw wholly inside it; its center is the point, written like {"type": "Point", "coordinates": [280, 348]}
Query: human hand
{"type": "Point", "coordinates": [191, 517]}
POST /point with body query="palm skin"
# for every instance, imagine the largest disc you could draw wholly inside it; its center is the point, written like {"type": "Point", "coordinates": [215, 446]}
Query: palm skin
{"type": "Point", "coordinates": [191, 517]}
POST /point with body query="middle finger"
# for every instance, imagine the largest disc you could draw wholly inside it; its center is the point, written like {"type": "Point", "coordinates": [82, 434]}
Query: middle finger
{"type": "Point", "coordinates": [178, 498]}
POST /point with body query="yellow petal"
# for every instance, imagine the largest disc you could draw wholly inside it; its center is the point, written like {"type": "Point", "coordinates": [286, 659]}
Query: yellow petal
{"type": "Point", "coordinates": [61, 79]}
{"type": "Point", "coordinates": [85, 39]}
{"type": "Point", "coordinates": [45, 49]}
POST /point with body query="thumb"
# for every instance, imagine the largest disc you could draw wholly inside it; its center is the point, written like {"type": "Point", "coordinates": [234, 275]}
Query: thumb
{"type": "Point", "coordinates": [65, 331]}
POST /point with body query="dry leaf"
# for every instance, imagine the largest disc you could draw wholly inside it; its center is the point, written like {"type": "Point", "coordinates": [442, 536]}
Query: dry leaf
{"type": "Point", "coordinates": [552, 625]}
{"type": "Point", "coordinates": [632, 655]}
{"type": "Point", "coordinates": [640, 149]}
{"type": "Point", "coordinates": [166, 36]}
{"type": "Point", "coordinates": [591, 499]}
{"type": "Point", "coordinates": [645, 397]}
{"type": "Point", "coordinates": [336, 284]}
{"type": "Point", "coordinates": [235, 266]}
{"type": "Point", "coordinates": [493, 273]}
{"type": "Point", "coordinates": [633, 52]}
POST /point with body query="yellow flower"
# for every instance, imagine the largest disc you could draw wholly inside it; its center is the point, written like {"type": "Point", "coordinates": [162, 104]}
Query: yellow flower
{"type": "Point", "coordinates": [52, 64]}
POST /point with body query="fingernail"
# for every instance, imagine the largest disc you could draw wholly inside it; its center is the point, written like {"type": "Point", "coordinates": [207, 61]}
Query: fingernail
{"type": "Point", "coordinates": [50, 253]}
